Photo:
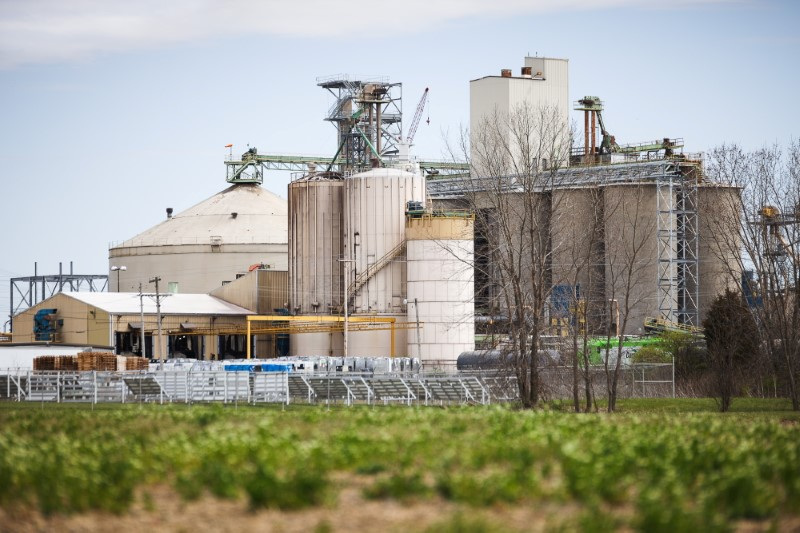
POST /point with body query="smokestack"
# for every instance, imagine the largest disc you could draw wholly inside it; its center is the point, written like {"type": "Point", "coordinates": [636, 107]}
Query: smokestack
{"type": "Point", "coordinates": [169, 212]}
{"type": "Point", "coordinates": [506, 72]}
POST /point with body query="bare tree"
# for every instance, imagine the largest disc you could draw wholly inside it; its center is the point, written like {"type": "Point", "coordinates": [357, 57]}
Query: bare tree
{"type": "Point", "coordinates": [760, 231]}
{"type": "Point", "coordinates": [581, 258]}
{"type": "Point", "coordinates": [630, 240]}
{"type": "Point", "coordinates": [514, 159]}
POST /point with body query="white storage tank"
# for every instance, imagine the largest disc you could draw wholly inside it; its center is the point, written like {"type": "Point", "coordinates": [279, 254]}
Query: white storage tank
{"type": "Point", "coordinates": [374, 247]}
{"type": "Point", "coordinates": [440, 249]}
{"type": "Point", "coordinates": [316, 220]}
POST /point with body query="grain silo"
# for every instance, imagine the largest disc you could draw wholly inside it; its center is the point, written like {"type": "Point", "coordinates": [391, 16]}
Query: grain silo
{"type": "Point", "coordinates": [374, 251]}
{"type": "Point", "coordinates": [207, 245]}
{"type": "Point", "coordinates": [315, 247]}
{"type": "Point", "coordinates": [719, 216]}
{"type": "Point", "coordinates": [441, 297]}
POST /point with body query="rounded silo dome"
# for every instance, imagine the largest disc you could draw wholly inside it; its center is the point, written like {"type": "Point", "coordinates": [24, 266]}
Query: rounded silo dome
{"type": "Point", "coordinates": [207, 245]}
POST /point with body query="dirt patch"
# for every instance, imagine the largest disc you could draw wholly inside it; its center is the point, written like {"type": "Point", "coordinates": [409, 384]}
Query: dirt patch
{"type": "Point", "coordinates": [161, 509]}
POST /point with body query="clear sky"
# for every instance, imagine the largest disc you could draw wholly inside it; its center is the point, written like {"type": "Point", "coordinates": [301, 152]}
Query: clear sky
{"type": "Point", "coordinates": [114, 110]}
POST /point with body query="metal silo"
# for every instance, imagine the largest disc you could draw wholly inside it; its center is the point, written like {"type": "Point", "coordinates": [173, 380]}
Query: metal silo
{"type": "Point", "coordinates": [374, 250]}
{"type": "Point", "coordinates": [315, 246]}
{"type": "Point", "coordinates": [441, 301]}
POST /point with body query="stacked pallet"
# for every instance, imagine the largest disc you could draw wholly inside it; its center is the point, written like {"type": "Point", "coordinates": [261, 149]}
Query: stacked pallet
{"type": "Point", "coordinates": [103, 361]}
{"type": "Point", "coordinates": [63, 363]}
{"type": "Point", "coordinates": [66, 363]}
{"type": "Point", "coordinates": [44, 362]}
{"type": "Point", "coordinates": [137, 363]}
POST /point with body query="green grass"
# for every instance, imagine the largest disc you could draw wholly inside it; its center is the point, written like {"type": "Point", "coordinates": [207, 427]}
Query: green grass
{"type": "Point", "coordinates": [677, 464]}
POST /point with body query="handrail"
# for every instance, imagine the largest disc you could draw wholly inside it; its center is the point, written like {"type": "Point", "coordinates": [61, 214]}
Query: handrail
{"type": "Point", "coordinates": [374, 268]}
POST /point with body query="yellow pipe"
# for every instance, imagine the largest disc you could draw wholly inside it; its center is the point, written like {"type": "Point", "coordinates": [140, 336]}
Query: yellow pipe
{"type": "Point", "coordinates": [248, 338]}
{"type": "Point", "coordinates": [323, 318]}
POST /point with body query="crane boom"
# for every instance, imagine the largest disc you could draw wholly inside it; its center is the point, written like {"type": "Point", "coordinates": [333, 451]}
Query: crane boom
{"type": "Point", "coordinates": [412, 129]}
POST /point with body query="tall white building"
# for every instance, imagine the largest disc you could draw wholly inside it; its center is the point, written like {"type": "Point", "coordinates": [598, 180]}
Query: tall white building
{"type": "Point", "coordinates": [542, 84]}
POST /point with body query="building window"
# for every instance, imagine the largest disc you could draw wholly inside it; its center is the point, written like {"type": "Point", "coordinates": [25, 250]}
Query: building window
{"type": "Point", "coordinates": [172, 287]}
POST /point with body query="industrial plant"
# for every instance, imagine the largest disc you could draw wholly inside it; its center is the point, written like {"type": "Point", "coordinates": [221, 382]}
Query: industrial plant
{"type": "Point", "coordinates": [377, 253]}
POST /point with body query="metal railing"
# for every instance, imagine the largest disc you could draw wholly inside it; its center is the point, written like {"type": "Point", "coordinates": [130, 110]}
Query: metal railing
{"type": "Point", "coordinates": [345, 388]}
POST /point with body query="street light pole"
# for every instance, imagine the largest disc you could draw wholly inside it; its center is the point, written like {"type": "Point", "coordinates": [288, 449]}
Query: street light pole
{"type": "Point", "coordinates": [118, 270]}
{"type": "Point", "coordinates": [141, 314]}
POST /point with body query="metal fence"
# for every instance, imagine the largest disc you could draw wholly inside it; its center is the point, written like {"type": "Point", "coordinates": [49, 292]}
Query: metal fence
{"type": "Point", "coordinates": [187, 386]}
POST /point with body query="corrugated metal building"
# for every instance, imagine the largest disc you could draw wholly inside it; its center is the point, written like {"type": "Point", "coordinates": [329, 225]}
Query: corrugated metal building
{"type": "Point", "coordinates": [114, 319]}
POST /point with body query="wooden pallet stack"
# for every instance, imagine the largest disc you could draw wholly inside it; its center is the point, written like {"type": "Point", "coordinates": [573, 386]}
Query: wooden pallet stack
{"type": "Point", "coordinates": [137, 363]}
{"type": "Point", "coordinates": [65, 363]}
{"type": "Point", "coordinates": [103, 361]}
{"type": "Point", "coordinates": [44, 362]}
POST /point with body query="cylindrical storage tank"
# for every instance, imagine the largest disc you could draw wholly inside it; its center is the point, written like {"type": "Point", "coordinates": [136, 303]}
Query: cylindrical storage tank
{"type": "Point", "coordinates": [631, 247]}
{"type": "Point", "coordinates": [441, 302]}
{"type": "Point", "coordinates": [375, 203]}
{"type": "Point", "coordinates": [719, 244]}
{"type": "Point", "coordinates": [315, 247]}
{"type": "Point", "coordinates": [578, 265]}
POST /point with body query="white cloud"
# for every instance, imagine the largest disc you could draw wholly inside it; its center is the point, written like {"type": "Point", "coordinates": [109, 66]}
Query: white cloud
{"type": "Point", "coordinates": [47, 31]}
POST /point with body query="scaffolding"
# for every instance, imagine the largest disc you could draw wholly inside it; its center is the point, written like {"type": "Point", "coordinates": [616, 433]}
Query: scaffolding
{"type": "Point", "coordinates": [368, 116]}
{"type": "Point", "coordinates": [677, 233]}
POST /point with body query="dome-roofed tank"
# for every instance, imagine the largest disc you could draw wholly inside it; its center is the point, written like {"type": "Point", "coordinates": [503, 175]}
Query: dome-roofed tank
{"type": "Point", "coordinates": [374, 247]}
{"type": "Point", "coordinates": [207, 245]}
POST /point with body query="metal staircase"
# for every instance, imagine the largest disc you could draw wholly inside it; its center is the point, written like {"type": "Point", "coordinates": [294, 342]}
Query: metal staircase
{"type": "Point", "coordinates": [374, 268]}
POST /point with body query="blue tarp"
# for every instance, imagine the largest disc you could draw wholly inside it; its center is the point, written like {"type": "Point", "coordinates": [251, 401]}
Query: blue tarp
{"type": "Point", "coordinates": [258, 367]}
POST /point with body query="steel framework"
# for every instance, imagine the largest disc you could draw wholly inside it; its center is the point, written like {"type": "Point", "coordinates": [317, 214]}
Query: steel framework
{"type": "Point", "coordinates": [250, 167]}
{"type": "Point", "coordinates": [29, 290]}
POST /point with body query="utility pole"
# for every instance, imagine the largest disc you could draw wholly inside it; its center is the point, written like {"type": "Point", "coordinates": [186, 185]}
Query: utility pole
{"type": "Point", "coordinates": [141, 312]}
{"type": "Point", "coordinates": [158, 318]}
{"type": "Point", "coordinates": [346, 298]}
{"type": "Point", "coordinates": [419, 342]}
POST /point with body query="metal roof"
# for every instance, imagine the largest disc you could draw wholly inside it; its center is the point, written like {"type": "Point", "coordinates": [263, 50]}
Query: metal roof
{"type": "Point", "coordinates": [127, 303]}
{"type": "Point", "coordinates": [261, 217]}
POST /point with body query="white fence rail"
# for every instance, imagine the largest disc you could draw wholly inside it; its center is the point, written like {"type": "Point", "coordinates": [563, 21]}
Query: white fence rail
{"type": "Point", "coordinates": [188, 386]}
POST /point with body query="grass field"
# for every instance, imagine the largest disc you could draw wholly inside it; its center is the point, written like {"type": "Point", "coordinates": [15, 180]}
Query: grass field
{"type": "Point", "coordinates": [657, 465]}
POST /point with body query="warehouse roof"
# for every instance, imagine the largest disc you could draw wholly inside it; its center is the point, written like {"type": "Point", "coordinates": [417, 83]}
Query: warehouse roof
{"type": "Point", "coordinates": [241, 214]}
{"type": "Point", "coordinates": [127, 303]}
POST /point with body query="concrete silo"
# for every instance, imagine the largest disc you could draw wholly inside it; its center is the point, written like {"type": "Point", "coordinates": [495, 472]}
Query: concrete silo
{"type": "Point", "coordinates": [316, 220]}
{"type": "Point", "coordinates": [374, 251]}
{"type": "Point", "coordinates": [577, 235]}
{"type": "Point", "coordinates": [440, 254]}
{"type": "Point", "coordinates": [631, 254]}
{"type": "Point", "coordinates": [207, 245]}
{"type": "Point", "coordinates": [719, 244]}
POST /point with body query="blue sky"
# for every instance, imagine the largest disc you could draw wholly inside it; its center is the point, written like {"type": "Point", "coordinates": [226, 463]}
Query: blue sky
{"type": "Point", "coordinates": [112, 111]}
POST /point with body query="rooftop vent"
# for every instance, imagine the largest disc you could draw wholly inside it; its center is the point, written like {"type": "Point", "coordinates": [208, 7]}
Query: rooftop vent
{"type": "Point", "coordinates": [506, 72]}
{"type": "Point", "coordinates": [169, 212]}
